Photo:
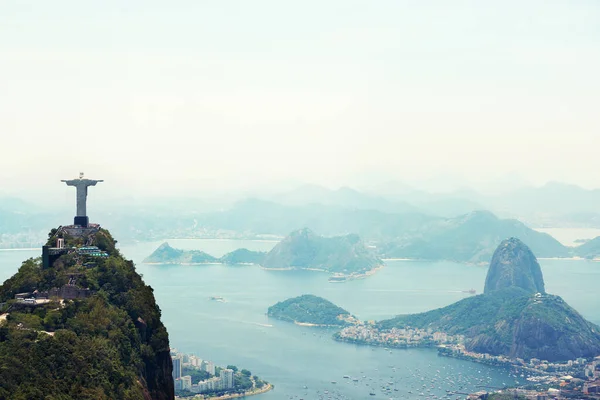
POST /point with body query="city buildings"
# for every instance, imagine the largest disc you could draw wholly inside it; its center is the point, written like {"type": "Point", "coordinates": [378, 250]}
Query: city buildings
{"type": "Point", "coordinates": [224, 380]}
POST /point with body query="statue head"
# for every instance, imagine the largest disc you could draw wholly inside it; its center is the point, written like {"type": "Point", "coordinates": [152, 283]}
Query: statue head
{"type": "Point", "coordinates": [81, 175]}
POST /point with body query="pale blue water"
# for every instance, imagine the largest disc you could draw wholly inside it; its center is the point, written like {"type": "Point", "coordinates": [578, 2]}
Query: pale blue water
{"type": "Point", "coordinates": [238, 332]}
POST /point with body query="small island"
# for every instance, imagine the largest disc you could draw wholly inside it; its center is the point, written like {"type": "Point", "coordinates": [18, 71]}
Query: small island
{"type": "Point", "coordinates": [345, 257]}
{"type": "Point", "coordinates": [165, 254]}
{"type": "Point", "coordinates": [310, 310]}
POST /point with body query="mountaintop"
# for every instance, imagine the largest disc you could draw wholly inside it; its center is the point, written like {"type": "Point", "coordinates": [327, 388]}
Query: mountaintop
{"type": "Point", "coordinates": [514, 265]}
{"type": "Point", "coordinates": [303, 249]}
{"type": "Point", "coordinates": [81, 324]}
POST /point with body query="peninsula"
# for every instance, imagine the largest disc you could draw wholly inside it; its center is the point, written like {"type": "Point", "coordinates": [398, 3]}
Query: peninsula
{"type": "Point", "coordinates": [165, 254]}
{"type": "Point", "coordinates": [513, 319]}
{"type": "Point", "coordinates": [346, 257]}
{"type": "Point", "coordinates": [310, 310]}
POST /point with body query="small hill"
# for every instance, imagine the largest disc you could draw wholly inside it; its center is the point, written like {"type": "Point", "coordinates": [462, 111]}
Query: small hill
{"type": "Point", "coordinates": [513, 317]}
{"type": "Point", "coordinates": [470, 238]}
{"type": "Point", "coordinates": [590, 249]}
{"type": "Point", "coordinates": [243, 256]}
{"type": "Point", "coordinates": [303, 249]}
{"type": "Point", "coordinates": [310, 309]}
{"type": "Point", "coordinates": [166, 254]}
{"type": "Point", "coordinates": [513, 264]}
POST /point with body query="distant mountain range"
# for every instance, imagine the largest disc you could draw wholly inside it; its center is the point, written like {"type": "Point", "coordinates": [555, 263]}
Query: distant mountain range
{"type": "Point", "coordinates": [466, 238]}
{"type": "Point", "coordinates": [470, 238]}
{"type": "Point", "coordinates": [406, 223]}
{"type": "Point", "coordinates": [553, 204]}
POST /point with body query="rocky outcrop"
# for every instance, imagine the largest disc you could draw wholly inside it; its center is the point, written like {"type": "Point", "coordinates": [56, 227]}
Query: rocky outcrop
{"type": "Point", "coordinates": [513, 264]}
{"type": "Point", "coordinates": [514, 317]}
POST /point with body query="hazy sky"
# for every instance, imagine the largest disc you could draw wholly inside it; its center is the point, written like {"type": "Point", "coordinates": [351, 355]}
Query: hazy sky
{"type": "Point", "coordinates": [202, 96]}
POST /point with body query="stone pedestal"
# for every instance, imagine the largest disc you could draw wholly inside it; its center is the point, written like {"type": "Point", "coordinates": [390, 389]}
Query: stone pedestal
{"type": "Point", "coordinates": [82, 221]}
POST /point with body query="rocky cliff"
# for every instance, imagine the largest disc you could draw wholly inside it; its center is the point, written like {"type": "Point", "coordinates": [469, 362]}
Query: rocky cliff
{"type": "Point", "coordinates": [105, 341]}
{"type": "Point", "coordinates": [514, 265]}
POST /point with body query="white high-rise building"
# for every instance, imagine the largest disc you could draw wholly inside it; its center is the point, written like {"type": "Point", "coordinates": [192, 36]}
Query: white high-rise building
{"type": "Point", "coordinates": [186, 382]}
{"type": "Point", "coordinates": [195, 361]}
{"type": "Point", "coordinates": [226, 376]}
{"type": "Point", "coordinates": [209, 367]}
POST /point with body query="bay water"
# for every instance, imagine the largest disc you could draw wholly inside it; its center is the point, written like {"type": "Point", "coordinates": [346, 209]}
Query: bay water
{"type": "Point", "coordinates": [303, 362]}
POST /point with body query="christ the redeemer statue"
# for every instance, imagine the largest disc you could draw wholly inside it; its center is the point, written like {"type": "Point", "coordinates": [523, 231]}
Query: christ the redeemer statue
{"type": "Point", "coordinates": [81, 184]}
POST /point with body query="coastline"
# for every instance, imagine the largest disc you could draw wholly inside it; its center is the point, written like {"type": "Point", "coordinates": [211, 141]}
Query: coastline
{"type": "Point", "coordinates": [254, 392]}
{"type": "Point", "coordinates": [317, 325]}
{"type": "Point", "coordinates": [362, 275]}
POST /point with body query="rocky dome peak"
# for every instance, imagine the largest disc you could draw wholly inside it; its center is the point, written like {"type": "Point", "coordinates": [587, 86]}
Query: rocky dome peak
{"type": "Point", "coordinates": [514, 265]}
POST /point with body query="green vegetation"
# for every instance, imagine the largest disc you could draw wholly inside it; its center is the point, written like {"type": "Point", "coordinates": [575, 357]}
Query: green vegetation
{"type": "Point", "coordinates": [196, 373]}
{"type": "Point", "coordinates": [309, 309]}
{"type": "Point", "coordinates": [544, 327]}
{"type": "Point", "coordinates": [304, 249]}
{"type": "Point", "coordinates": [111, 345]}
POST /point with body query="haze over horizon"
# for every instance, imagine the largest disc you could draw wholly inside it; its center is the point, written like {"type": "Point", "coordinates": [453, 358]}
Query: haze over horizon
{"type": "Point", "coordinates": [194, 98]}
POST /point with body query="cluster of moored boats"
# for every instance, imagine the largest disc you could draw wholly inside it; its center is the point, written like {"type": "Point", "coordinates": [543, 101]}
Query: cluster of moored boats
{"type": "Point", "coordinates": [415, 383]}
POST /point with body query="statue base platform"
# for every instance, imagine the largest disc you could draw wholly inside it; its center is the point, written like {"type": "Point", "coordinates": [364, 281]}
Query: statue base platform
{"type": "Point", "coordinates": [82, 221]}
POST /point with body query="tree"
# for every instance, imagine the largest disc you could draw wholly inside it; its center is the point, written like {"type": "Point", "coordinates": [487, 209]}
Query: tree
{"type": "Point", "coordinates": [247, 373]}
{"type": "Point", "coordinates": [233, 367]}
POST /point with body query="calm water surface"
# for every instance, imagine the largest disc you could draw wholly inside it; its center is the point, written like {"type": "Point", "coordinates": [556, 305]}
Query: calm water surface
{"type": "Point", "coordinates": [292, 357]}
